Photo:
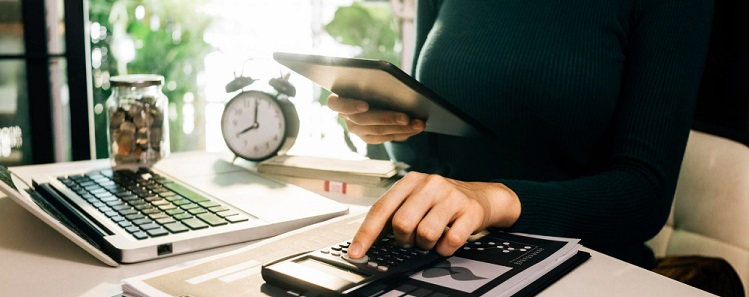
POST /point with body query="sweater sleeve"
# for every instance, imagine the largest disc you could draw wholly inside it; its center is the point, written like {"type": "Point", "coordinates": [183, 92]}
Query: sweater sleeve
{"type": "Point", "coordinates": [630, 199]}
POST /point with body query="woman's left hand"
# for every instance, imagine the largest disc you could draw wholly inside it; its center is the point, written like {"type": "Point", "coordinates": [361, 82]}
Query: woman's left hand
{"type": "Point", "coordinates": [419, 207]}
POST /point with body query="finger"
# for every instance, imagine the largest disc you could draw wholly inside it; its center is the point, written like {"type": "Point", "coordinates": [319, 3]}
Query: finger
{"type": "Point", "coordinates": [444, 210]}
{"type": "Point", "coordinates": [417, 125]}
{"type": "Point", "coordinates": [460, 230]}
{"type": "Point", "coordinates": [346, 105]}
{"type": "Point", "coordinates": [378, 130]}
{"type": "Point", "coordinates": [412, 212]}
{"type": "Point", "coordinates": [377, 139]}
{"type": "Point", "coordinates": [373, 128]}
{"type": "Point", "coordinates": [379, 215]}
{"type": "Point", "coordinates": [380, 117]}
{"type": "Point", "coordinates": [430, 230]}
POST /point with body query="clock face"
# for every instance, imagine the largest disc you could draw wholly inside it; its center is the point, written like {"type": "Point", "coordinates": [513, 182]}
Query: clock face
{"type": "Point", "coordinates": [253, 125]}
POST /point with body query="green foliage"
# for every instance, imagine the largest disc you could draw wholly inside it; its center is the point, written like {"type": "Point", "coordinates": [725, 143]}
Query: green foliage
{"type": "Point", "coordinates": [174, 48]}
{"type": "Point", "coordinates": [370, 28]}
{"type": "Point", "coordinates": [373, 29]}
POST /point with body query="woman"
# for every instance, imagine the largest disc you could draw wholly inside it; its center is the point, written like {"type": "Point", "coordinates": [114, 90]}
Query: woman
{"type": "Point", "coordinates": [591, 102]}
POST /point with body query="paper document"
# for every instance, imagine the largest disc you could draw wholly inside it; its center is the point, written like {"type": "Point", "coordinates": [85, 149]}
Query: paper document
{"type": "Point", "coordinates": [498, 264]}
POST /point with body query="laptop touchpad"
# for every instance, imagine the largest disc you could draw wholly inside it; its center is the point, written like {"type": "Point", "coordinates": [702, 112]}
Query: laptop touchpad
{"type": "Point", "coordinates": [259, 196]}
{"type": "Point", "coordinates": [263, 198]}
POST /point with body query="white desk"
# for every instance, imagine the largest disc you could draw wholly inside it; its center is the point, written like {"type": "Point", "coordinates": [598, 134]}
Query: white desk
{"type": "Point", "coordinates": [37, 261]}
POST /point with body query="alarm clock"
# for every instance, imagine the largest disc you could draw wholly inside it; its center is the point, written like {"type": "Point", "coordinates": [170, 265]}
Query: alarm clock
{"type": "Point", "coordinates": [257, 125]}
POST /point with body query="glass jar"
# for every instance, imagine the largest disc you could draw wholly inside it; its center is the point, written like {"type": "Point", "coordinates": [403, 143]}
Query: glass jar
{"type": "Point", "coordinates": [137, 121]}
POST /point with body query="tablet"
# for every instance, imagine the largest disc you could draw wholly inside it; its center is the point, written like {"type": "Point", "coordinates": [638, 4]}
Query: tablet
{"type": "Point", "coordinates": [384, 86]}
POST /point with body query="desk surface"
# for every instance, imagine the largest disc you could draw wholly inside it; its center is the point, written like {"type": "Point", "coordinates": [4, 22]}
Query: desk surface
{"type": "Point", "coordinates": [37, 261]}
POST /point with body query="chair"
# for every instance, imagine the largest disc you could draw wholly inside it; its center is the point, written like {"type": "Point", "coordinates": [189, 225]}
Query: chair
{"type": "Point", "coordinates": [710, 214]}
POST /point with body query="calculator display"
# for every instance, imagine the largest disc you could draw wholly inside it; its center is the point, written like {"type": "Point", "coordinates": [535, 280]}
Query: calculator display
{"type": "Point", "coordinates": [330, 272]}
{"type": "Point", "coordinates": [323, 267]}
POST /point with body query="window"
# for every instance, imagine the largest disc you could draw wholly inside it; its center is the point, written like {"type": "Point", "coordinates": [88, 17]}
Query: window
{"type": "Point", "coordinates": [198, 46]}
{"type": "Point", "coordinates": [33, 87]}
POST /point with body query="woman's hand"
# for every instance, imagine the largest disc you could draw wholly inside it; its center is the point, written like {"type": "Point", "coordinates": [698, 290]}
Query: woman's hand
{"type": "Point", "coordinates": [419, 207]}
{"type": "Point", "coordinates": [374, 126]}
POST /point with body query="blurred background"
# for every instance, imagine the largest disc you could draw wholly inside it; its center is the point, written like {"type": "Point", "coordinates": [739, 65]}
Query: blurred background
{"type": "Point", "coordinates": [57, 56]}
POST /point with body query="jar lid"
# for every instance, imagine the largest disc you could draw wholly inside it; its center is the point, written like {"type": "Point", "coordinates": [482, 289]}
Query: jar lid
{"type": "Point", "coordinates": [136, 80]}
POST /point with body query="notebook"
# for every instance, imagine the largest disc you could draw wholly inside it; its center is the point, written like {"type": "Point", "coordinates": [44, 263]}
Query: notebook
{"type": "Point", "coordinates": [184, 203]}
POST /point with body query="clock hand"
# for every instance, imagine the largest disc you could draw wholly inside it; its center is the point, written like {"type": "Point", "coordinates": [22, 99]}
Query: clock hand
{"type": "Point", "coordinates": [255, 118]}
{"type": "Point", "coordinates": [254, 126]}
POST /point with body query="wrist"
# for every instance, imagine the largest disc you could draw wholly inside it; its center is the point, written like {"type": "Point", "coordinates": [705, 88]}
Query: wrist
{"type": "Point", "coordinates": [505, 206]}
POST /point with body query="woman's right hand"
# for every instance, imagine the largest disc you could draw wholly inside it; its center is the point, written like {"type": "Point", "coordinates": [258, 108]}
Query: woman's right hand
{"type": "Point", "coordinates": [374, 126]}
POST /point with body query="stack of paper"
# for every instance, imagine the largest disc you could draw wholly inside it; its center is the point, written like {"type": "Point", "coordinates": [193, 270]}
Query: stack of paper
{"type": "Point", "coordinates": [366, 172]}
{"type": "Point", "coordinates": [326, 186]}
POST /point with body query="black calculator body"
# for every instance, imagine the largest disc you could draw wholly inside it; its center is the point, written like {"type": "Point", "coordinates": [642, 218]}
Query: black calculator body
{"type": "Point", "coordinates": [330, 272]}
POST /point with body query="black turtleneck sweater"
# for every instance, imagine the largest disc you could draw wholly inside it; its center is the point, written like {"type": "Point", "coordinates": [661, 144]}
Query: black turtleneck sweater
{"type": "Point", "coordinates": [591, 101]}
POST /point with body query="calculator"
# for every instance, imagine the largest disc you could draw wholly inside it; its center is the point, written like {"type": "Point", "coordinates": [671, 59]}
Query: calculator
{"type": "Point", "coordinates": [330, 272]}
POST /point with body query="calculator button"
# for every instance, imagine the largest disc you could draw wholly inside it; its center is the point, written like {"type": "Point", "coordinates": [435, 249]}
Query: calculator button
{"type": "Point", "coordinates": [362, 260]}
{"type": "Point", "coordinates": [382, 268]}
{"type": "Point", "coordinates": [325, 251]}
{"type": "Point", "coordinates": [335, 253]}
{"type": "Point", "coordinates": [372, 264]}
{"type": "Point", "coordinates": [335, 248]}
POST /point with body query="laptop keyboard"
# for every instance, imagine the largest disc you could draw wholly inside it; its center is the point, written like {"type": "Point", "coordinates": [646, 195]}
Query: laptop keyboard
{"type": "Point", "coordinates": [149, 205]}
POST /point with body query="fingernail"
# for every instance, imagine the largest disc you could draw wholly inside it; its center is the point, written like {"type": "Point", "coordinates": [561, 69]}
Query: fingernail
{"type": "Point", "coordinates": [361, 106]}
{"type": "Point", "coordinates": [416, 125]}
{"type": "Point", "coordinates": [354, 250]}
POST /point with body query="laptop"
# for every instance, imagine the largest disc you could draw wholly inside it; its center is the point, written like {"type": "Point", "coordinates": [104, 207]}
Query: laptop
{"type": "Point", "coordinates": [184, 203]}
